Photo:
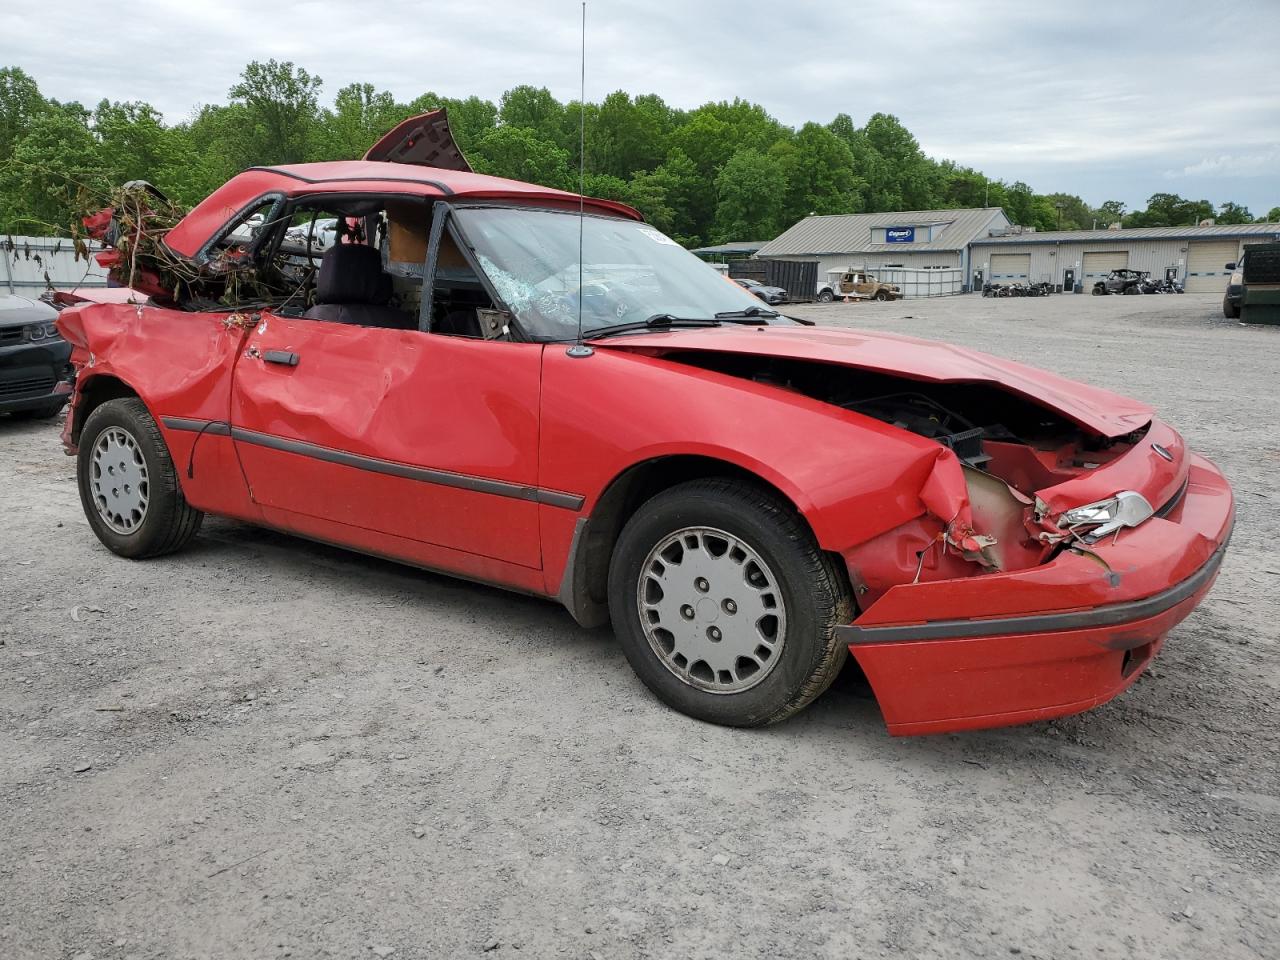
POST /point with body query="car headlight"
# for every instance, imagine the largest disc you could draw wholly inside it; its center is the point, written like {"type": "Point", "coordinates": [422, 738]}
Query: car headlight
{"type": "Point", "coordinates": [41, 331]}
{"type": "Point", "coordinates": [1095, 520]}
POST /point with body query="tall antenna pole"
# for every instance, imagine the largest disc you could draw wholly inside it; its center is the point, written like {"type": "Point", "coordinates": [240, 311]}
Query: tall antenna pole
{"type": "Point", "coordinates": [579, 348]}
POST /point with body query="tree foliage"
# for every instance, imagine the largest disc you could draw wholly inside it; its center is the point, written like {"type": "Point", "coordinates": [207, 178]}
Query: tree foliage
{"type": "Point", "coordinates": [722, 171]}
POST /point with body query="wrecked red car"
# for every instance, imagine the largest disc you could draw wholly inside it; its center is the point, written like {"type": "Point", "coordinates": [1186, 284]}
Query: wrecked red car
{"type": "Point", "coordinates": [448, 382]}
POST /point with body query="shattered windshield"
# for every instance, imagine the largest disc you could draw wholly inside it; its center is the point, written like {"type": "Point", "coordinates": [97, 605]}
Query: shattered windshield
{"type": "Point", "coordinates": [630, 271]}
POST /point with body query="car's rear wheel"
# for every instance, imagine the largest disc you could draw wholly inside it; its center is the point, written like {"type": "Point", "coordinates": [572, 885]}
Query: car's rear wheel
{"type": "Point", "coordinates": [724, 604]}
{"type": "Point", "coordinates": [128, 485]}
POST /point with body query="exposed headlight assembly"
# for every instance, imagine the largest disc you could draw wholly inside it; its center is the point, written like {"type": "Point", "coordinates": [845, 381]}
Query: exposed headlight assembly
{"type": "Point", "coordinates": [1093, 521]}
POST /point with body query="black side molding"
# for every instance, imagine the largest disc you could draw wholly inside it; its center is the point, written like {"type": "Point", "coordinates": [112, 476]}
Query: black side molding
{"type": "Point", "coordinates": [443, 478]}
{"type": "Point", "coordinates": [1109, 615]}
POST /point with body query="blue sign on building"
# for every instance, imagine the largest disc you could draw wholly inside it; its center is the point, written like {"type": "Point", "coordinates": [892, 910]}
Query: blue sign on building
{"type": "Point", "coordinates": [900, 235]}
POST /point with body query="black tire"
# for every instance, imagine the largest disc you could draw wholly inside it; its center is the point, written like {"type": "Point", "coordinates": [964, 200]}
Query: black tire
{"type": "Point", "coordinates": [46, 412]}
{"type": "Point", "coordinates": [1230, 310]}
{"type": "Point", "coordinates": [1099, 291]}
{"type": "Point", "coordinates": [813, 593]}
{"type": "Point", "coordinates": [826, 296]}
{"type": "Point", "coordinates": [169, 521]}
{"type": "Point", "coordinates": [882, 295]}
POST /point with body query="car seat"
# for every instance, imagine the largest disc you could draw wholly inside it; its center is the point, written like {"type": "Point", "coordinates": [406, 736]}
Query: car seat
{"type": "Point", "coordinates": [351, 288]}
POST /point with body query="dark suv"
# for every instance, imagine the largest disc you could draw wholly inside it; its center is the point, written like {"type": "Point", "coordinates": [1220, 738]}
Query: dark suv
{"type": "Point", "coordinates": [35, 367]}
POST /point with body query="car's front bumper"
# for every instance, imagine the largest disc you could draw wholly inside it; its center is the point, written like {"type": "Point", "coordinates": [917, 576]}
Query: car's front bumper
{"type": "Point", "coordinates": [1063, 637]}
{"type": "Point", "coordinates": [34, 375]}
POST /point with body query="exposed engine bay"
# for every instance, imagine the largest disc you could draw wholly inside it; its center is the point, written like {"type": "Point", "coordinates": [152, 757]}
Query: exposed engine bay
{"type": "Point", "coordinates": [1009, 447]}
{"type": "Point", "coordinates": [984, 425]}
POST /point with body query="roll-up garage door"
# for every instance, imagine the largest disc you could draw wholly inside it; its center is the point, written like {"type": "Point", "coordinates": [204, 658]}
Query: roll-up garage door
{"type": "Point", "coordinates": [1206, 265]}
{"type": "Point", "coordinates": [1008, 267]}
{"type": "Point", "coordinates": [1098, 265]}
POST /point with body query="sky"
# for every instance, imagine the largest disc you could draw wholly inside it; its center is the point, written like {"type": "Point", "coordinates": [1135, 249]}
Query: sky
{"type": "Point", "coordinates": [1107, 100]}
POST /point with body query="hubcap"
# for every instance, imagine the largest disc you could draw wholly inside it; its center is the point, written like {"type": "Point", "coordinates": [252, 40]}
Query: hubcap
{"type": "Point", "coordinates": [119, 480]}
{"type": "Point", "coordinates": [711, 609]}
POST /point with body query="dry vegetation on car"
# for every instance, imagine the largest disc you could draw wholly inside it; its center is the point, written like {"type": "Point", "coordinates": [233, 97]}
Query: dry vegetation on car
{"type": "Point", "coordinates": [265, 748]}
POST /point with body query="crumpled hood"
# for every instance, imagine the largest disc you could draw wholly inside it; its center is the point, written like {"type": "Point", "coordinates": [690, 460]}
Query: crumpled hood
{"type": "Point", "coordinates": [1101, 411]}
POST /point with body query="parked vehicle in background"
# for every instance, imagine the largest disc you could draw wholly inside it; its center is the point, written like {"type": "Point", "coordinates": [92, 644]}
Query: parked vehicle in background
{"type": "Point", "coordinates": [768, 294]}
{"type": "Point", "coordinates": [318, 234]}
{"type": "Point", "coordinates": [1121, 281]}
{"type": "Point", "coordinates": [1259, 297]}
{"type": "Point", "coordinates": [35, 368]}
{"type": "Point", "coordinates": [857, 284]}
{"type": "Point", "coordinates": [1235, 288]}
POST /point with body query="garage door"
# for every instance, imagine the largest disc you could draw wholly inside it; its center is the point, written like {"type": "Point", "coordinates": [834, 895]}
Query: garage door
{"type": "Point", "coordinates": [1098, 265]}
{"type": "Point", "coordinates": [1206, 265]}
{"type": "Point", "coordinates": [1008, 267]}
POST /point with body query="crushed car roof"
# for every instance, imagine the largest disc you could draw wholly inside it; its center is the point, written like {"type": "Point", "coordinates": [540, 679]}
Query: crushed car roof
{"type": "Point", "coordinates": [363, 176]}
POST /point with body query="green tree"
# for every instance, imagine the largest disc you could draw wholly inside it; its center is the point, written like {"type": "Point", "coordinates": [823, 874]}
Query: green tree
{"type": "Point", "coordinates": [521, 154]}
{"type": "Point", "coordinates": [280, 112]}
{"type": "Point", "coordinates": [133, 143]}
{"type": "Point", "coordinates": [534, 108]}
{"type": "Point", "coordinates": [1273, 215]}
{"type": "Point", "coordinates": [55, 161]}
{"type": "Point", "coordinates": [20, 104]}
{"type": "Point", "coordinates": [820, 175]}
{"type": "Point", "coordinates": [1170, 210]}
{"type": "Point", "coordinates": [1110, 212]}
{"type": "Point", "coordinates": [360, 116]}
{"type": "Point", "coordinates": [1070, 212]}
{"type": "Point", "coordinates": [750, 192]}
{"type": "Point", "coordinates": [1234, 213]}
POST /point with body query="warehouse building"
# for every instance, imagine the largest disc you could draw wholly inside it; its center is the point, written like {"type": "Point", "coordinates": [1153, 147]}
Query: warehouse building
{"type": "Point", "coordinates": [926, 252]}
{"type": "Point", "coordinates": [1076, 259]}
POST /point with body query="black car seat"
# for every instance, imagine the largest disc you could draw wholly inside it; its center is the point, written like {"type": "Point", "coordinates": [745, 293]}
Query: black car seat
{"type": "Point", "coordinates": [351, 288]}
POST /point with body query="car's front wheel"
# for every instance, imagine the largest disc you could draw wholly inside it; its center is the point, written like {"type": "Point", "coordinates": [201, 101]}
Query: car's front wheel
{"type": "Point", "coordinates": [826, 296]}
{"type": "Point", "coordinates": [724, 604]}
{"type": "Point", "coordinates": [128, 485]}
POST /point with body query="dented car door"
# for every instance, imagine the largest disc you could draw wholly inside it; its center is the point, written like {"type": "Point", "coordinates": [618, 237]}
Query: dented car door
{"type": "Point", "coordinates": [425, 438]}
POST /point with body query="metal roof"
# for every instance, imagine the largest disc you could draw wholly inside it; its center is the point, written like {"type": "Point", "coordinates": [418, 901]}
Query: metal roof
{"type": "Point", "coordinates": [740, 246]}
{"type": "Point", "coordinates": [1223, 231]}
{"type": "Point", "coordinates": [851, 232]}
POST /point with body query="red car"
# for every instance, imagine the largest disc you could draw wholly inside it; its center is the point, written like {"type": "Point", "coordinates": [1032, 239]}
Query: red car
{"type": "Point", "coordinates": [748, 500]}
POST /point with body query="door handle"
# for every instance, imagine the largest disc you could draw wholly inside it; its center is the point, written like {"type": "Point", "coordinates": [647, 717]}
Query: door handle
{"type": "Point", "coordinates": [283, 357]}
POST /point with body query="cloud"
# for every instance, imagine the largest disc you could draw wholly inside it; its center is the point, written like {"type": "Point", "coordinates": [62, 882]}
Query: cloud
{"type": "Point", "coordinates": [1236, 165]}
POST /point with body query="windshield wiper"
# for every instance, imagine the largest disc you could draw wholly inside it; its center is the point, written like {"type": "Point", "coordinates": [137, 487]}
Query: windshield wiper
{"type": "Point", "coordinates": [749, 315]}
{"type": "Point", "coordinates": [657, 320]}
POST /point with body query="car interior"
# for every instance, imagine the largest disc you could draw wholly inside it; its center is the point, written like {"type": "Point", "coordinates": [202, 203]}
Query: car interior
{"type": "Point", "coordinates": [370, 273]}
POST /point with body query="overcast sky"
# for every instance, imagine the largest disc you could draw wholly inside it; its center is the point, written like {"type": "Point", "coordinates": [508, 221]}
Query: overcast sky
{"type": "Point", "coordinates": [1109, 100]}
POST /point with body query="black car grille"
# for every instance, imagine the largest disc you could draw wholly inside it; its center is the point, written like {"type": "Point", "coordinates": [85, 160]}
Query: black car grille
{"type": "Point", "coordinates": [12, 334]}
{"type": "Point", "coordinates": [31, 386]}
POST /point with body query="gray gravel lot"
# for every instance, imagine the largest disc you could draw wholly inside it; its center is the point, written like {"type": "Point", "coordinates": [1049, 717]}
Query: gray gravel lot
{"type": "Point", "coordinates": [289, 750]}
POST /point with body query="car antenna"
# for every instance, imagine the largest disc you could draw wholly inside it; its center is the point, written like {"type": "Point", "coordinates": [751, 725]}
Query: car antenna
{"type": "Point", "coordinates": [580, 348]}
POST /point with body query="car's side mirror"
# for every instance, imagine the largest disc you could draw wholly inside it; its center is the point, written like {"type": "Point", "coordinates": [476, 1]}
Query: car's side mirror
{"type": "Point", "coordinates": [1231, 266]}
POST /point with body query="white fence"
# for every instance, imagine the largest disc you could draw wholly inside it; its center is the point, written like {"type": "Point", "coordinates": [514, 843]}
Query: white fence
{"type": "Point", "coordinates": [923, 283]}
{"type": "Point", "coordinates": [35, 263]}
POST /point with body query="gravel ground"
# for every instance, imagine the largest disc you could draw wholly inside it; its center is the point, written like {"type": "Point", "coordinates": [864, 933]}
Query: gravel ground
{"type": "Point", "coordinates": [266, 748]}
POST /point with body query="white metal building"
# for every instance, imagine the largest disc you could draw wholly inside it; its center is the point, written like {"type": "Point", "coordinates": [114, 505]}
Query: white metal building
{"type": "Point", "coordinates": [1197, 256]}
{"type": "Point", "coordinates": [898, 247]}
{"type": "Point", "coordinates": [35, 263]}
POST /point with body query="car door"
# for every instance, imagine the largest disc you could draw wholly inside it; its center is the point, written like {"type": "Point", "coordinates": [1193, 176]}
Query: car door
{"type": "Point", "coordinates": [424, 437]}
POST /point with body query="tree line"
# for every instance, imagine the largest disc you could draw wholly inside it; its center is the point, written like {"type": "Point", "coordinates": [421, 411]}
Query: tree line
{"type": "Point", "coordinates": [721, 172]}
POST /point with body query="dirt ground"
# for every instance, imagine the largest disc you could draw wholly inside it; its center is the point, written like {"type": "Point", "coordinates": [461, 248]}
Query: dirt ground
{"type": "Point", "coordinates": [288, 750]}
